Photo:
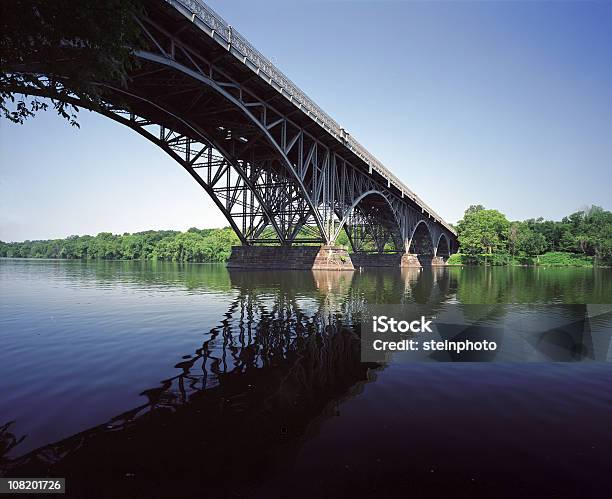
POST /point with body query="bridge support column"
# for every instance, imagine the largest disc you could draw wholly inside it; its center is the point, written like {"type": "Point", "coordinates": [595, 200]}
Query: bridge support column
{"type": "Point", "coordinates": [437, 261]}
{"type": "Point", "coordinates": [290, 258]}
{"type": "Point", "coordinates": [414, 260]}
{"type": "Point", "coordinates": [397, 260]}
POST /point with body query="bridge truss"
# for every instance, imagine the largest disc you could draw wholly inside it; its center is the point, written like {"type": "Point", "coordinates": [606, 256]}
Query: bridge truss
{"type": "Point", "coordinates": [279, 169]}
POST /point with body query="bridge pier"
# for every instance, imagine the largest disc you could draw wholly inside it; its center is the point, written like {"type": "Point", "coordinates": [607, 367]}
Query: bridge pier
{"type": "Point", "coordinates": [396, 260]}
{"type": "Point", "coordinates": [439, 261]}
{"type": "Point", "coordinates": [290, 258]}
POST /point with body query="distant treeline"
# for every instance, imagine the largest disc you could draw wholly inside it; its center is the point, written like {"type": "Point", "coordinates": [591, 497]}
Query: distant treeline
{"type": "Point", "coordinates": [195, 245]}
{"type": "Point", "coordinates": [582, 238]}
{"type": "Point", "coordinates": [485, 237]}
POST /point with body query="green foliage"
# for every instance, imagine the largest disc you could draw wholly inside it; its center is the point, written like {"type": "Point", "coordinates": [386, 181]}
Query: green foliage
{"type": "Point", "coordinates": [474, 208]}
{"type": "Point", "coordinates": [483, 231]}
{"type": "Point", "coordinates": [495, 259]}
{"type": "Point", "coordinates": [551, 259]}
{"type": "Point", "coordinates": [64, 49]}
{"type": "Point", "coordinates": [455, 259]}
{"type": "Point", "coordinates": [532, 244]}
{"type": "Point", "coordinates": [207, 245]}
{"type": "Point", "coordinates": [524, 241]}
{"type": "Point", "coordinates": [584, 237]}
{"type": "Point", "coordinates": [561, 259]}
{"type": "Point", "coordinates": [342, 239]}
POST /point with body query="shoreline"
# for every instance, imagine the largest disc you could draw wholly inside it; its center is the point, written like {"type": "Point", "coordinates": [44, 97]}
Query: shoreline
{"type": "Point", "coordinates": [544, 266]}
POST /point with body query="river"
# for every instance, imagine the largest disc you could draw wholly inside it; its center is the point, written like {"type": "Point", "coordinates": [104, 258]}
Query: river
{"type": "Point", "coordinates": [183, 380]}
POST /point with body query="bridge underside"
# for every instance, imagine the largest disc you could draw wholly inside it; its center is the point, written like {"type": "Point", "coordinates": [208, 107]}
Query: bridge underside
{"type": "Point", "coordinates": [280, 176]}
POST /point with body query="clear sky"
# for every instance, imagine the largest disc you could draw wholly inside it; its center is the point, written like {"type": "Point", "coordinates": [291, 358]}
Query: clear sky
{"type": "Point", "coordinates": [505, 104]}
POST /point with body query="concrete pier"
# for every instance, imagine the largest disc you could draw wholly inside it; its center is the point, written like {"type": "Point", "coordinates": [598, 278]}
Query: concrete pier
{"type": "Point", "coordinates": [323, 258]}
{"type": "Point", "coordinates": [395, 260]}
{"type": "Point", "coordinates": [290, 258]}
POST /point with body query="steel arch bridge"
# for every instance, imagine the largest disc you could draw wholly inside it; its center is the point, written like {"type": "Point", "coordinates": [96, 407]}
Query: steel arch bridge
{"type": "Point", "coordinates": [279, 168]}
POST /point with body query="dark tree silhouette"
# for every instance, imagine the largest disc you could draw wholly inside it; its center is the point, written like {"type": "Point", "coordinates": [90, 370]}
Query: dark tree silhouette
{"type": "Point", "coordinates": [63, 50]}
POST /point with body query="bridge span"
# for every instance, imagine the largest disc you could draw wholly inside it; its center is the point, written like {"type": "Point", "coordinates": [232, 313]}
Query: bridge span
{"type": "Point", "coordinates": [284, 173]}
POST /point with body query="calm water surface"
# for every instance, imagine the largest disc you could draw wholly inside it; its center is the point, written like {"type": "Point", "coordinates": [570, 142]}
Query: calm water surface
{"type": "Point", "coordinates": [188, 380]}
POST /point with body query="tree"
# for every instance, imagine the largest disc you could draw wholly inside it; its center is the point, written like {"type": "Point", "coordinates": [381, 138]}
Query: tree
{"type": "Point", "coordinates": [483, 231]}
{"type": "Point", "coordinates": [514, 234]}
{"type": "Point", "coordinates": [603, 246]}
{"type": "Point", "coordinates": [524, 239]}
{"type": "Point", "coordinates": [532, 243]}
{"type": "Point", "coordinates": [473, 209]}
{"type": "Point", "coordinates": [64, 49]}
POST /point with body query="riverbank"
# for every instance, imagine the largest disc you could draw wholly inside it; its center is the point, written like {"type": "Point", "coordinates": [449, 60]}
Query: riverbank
{"type": "Point", "coordinates": [194, 245]}
{"type": "Point", "coordinates": [549, 259]}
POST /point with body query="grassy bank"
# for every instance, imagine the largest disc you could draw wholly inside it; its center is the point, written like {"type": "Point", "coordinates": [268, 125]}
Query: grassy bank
{"type": "Point", "coordinates": [549, 259]}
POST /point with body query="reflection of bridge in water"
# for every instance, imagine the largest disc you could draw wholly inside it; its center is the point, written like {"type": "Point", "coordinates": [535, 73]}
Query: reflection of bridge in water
{"type": "Point", "coordinates": [284, 355]}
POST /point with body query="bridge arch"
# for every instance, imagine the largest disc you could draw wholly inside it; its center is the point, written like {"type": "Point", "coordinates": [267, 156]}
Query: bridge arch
{"type": "Point", "coordinates": [348, 212]}
{"type": "Point", "coordinates": [262, 129]}
{"type": "Point", "coordinates": [194, 134]}
{"type": "Point", "coordinates": [443, 246]}
{"type": "Point", "coordinates": [421, 240]}
{"type": "Point", "coordinates": [371, 219]}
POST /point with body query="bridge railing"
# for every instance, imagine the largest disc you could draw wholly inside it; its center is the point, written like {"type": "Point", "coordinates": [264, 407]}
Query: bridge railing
{"type": "Point", "coordinates": [251, 57]}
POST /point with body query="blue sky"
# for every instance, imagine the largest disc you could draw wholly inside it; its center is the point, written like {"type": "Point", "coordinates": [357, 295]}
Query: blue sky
{"type": "Point", "coordinates": [505, 104]}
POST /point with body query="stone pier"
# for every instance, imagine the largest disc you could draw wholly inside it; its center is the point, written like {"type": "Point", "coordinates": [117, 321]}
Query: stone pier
{"type": "Point", "coordinates": [439, 260]}
{"type": "Point", "coordinates": [396, 260]}
{"type": "Point", "coordinates": [290, 258]}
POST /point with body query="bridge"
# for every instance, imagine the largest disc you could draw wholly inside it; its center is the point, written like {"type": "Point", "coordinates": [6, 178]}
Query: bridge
{"type": "Point", "coordinates": [288, 178]}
